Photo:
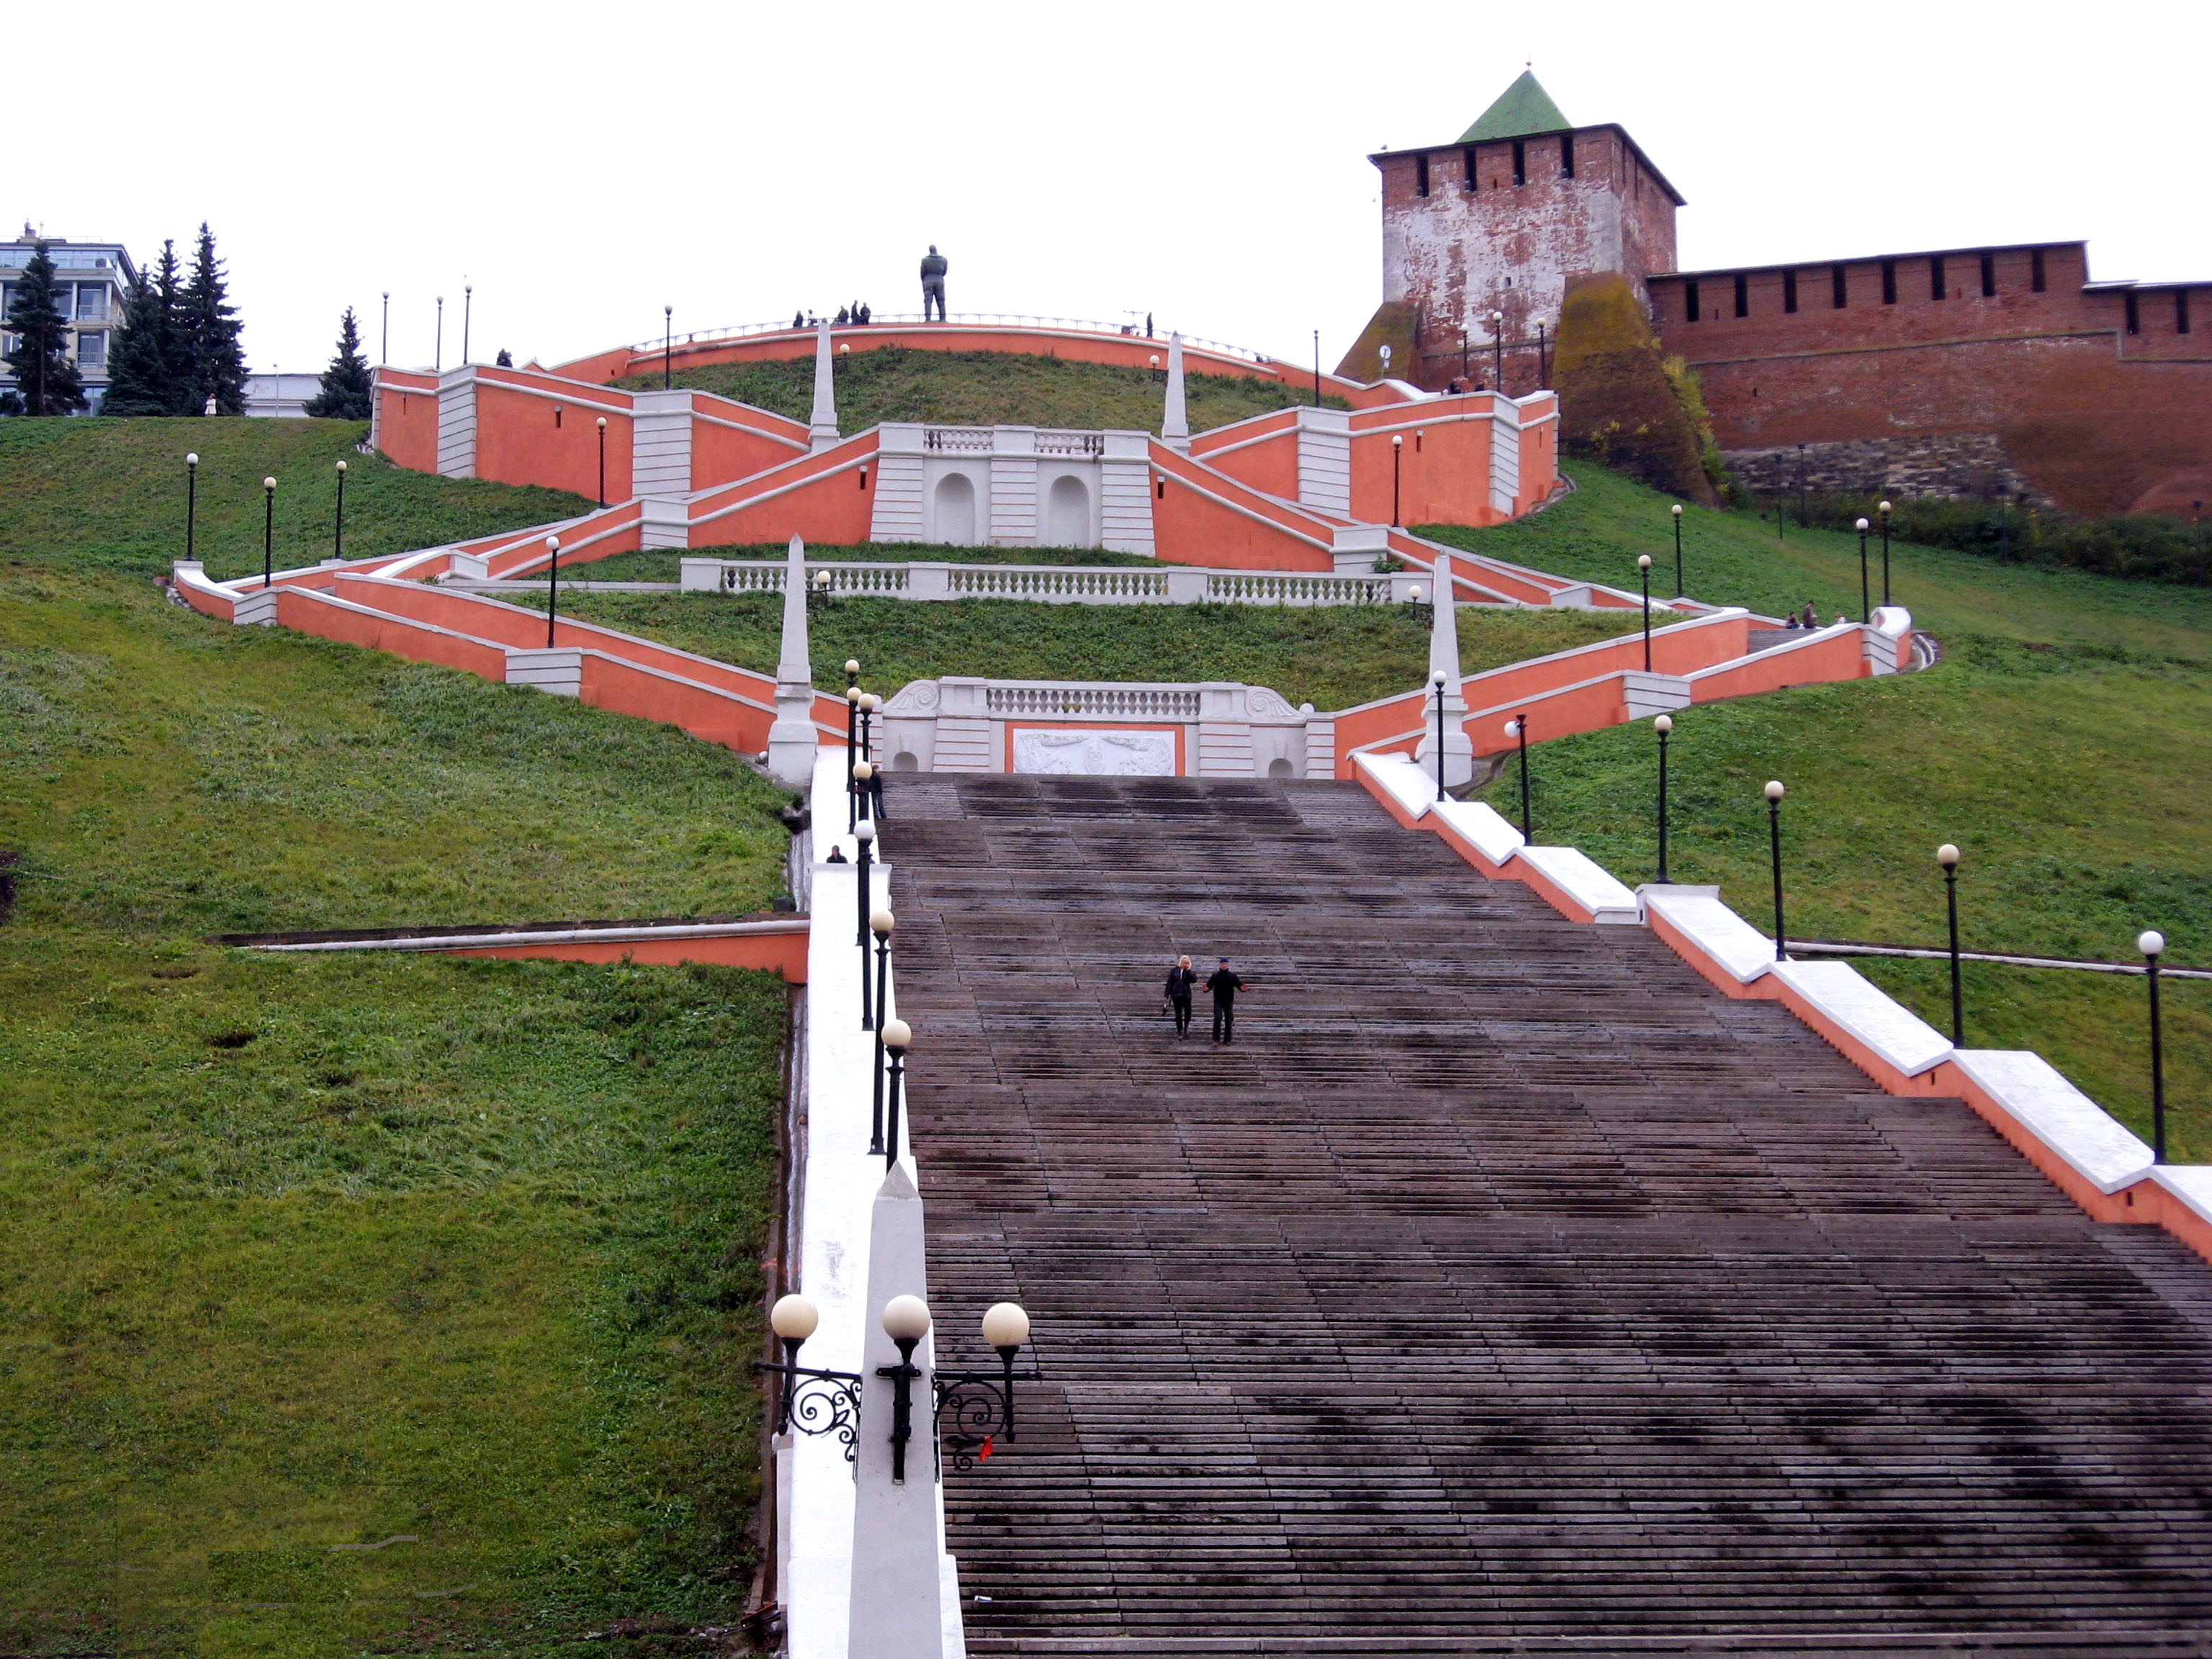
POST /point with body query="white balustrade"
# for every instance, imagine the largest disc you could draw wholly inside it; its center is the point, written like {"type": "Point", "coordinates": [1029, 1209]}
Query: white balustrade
{"type": "Point", "coordinates": [1159, 702]}
{"type": "Point", "coordinates": [1059, 584]}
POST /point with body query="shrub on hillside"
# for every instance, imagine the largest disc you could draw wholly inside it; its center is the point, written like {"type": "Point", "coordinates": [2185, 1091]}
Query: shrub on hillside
{"type": "Point", "coordinates": [1618, 402]}
{"type": "Point", "coordinates": [2142, 547]}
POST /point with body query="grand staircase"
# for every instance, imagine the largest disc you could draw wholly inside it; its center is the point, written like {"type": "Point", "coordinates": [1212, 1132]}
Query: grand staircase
{"type": "Point", "coordinates": [1504, 1288]}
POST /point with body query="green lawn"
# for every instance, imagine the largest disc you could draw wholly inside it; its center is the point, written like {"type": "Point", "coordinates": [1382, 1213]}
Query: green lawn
{"type": "Point", "coordinates": [1331, 657]}
{"type": "Point", "coordinates": [1736, 558]}
{"type": "Point", "coordinates": [305, 1253]}
{"type": "Point", "coordinates": [988, 388]}
{"type": "Point", "coordinates": [2065, 744]}
{"type": "Point", "coordinates": [109, 494]}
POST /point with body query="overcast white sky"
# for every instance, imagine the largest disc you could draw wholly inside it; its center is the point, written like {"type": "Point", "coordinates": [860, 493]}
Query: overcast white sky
{"type": "Point", "coordinates": [584, 165]}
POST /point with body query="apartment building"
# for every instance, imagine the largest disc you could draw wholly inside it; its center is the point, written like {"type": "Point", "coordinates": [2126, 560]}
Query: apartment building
{"type": "Point", "coordinates": [89, 280]}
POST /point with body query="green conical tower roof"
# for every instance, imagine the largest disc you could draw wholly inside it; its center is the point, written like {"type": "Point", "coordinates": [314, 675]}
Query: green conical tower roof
{"type": "Point", "coordinates": [1522, 108]}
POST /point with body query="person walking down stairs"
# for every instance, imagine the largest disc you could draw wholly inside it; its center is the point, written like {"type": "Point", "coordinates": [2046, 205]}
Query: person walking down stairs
{"type": "Point", "coordinates": [1225, 985]}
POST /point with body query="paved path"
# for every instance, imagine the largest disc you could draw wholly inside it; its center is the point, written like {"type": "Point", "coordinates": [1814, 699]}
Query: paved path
{"type": "Point", "coordinates": [1504, 1288]}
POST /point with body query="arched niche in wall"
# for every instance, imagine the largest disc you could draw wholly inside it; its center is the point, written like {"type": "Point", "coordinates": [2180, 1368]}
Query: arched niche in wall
{"type": "Point", "coordinates": [1067, 513]}
{"type": "Point", "coordinates": [955, 510]}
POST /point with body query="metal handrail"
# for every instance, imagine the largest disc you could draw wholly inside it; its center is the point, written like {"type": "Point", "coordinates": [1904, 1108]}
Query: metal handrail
{"type": "Point", "coordinates": [1009, 320]}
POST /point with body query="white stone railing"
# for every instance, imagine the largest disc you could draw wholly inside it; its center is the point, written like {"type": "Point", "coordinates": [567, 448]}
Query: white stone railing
{"type": "Point", "coordinates": [1157, 702]}
{"type": "Point", "coordinates": [1272, 587]}
{"type": "Point", "coordinates": [1064, 584]}
{"type": "Point", "coordinates": [975, 438]}
{"type": "Point", "coordinates": [1048, 442]}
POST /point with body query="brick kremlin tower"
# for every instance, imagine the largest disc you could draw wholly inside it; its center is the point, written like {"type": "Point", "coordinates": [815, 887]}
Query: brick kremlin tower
{"type": "Point", "coordinates": [1498, 223]}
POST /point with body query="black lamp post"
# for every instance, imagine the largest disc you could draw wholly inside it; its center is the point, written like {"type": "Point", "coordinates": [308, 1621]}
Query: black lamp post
{"type": "Point", "coordinates": [1464, 374]}
{"type": "Point", "coordinates": [1397, 455]}
{"type": "Point", "coordinates": [192, 503]}
{"type": "Point", "coordinates": [552, 586]}
{"type": "Point", "coordinates": [602, 460]}
{"type": "Point", "coordinates": [1663, 725]}
{"type": "Point", "coordinates": [438, 340]}
{"type": "Point", "coordinates": [384, 345]}
{"type": "Point", "coordinates": [906, 1322]}
{"type": "Point", "coordinates": [1517, 728]}
{"type": "Point", "coordinates": [898, 1037]}
{"type": "Point", "coordinates": [1865, 603]}
{"type": "Point", "coordinates": [2152, 944]}
{"type": "Point", "coordinates": [1774, 793]}
{"type": "Point", "coordinates": [1543, 360]}
{"type": "Point", "coordinates": [268, 531]}
{"type": "Point", "coordinates": [1643, 569]}
{"type": "Point", "coordinates": [1948, 856]}
{"type": "Point", "coordinates": [1679, 589]}
{"type": "Point", "coordinates": [667, 347]}
{"type": "Point", "coordinates": [851, 741]}
{"type": "Point", "coordinates": [865, 832]}
{"type": "Point", "coordinates": [1316, 368]}
{"type": "Point", "coordinates": [338, 533]}
{"type": "Point", "coordinates": [872, 794]}
{"type": "Point", "coordinates": [1497, 351]}
{"type": "Point", "coordinates": [880, 923]}
{"type": "Point", "coordinates": [1884, 511]}
{"type": "Point", "coordinates": [468, 308]}
{"type": "Point", "coordinates": [1436, 678]}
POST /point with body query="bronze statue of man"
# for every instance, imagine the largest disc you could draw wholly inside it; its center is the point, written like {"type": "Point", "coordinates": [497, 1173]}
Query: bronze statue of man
{"type": "Point", "coordinates": [932, 284]}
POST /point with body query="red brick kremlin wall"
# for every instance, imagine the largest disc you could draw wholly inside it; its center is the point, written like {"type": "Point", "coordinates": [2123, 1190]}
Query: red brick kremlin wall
{"type": "Point", "coordinates": [1977, 371]}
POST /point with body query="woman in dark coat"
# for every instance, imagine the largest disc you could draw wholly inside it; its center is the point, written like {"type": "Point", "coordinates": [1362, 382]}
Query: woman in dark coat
{"type": "Point", "coordinates": [1182, 980]}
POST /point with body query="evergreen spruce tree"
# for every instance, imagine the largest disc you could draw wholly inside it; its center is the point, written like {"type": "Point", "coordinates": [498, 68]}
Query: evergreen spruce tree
{"type": "Point", "coordinates": [218, 364]}
{"type": "Point", "coordinates": [138, 378]}
{"type": "Point", "coordinates": [176, 337]}
{"type": "Point", "coordinates": [46, 381]}
{"type": "Point", "coordinates": [345, 393]}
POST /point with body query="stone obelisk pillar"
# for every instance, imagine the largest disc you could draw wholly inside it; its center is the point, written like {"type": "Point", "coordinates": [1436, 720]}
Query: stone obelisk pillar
{"type": "Point", "coordinates": [1444, 654]}
{"type": "Point", "coordinates": [791, 739]}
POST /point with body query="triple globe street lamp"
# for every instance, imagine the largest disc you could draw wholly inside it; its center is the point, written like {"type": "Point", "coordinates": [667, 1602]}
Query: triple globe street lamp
{"type": "Point", "coordinates": [969, 1411]}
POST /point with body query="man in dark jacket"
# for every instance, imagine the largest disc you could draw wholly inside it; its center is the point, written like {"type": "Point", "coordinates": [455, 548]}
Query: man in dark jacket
{"type": "Point", "coordinates": [1225, 985]}
{"type": "Point", "coordinates": [932, 284]}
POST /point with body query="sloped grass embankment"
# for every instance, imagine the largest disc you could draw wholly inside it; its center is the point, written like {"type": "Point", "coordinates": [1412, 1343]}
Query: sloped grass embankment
{"type": "Point", "coordinates": [302, 1255]}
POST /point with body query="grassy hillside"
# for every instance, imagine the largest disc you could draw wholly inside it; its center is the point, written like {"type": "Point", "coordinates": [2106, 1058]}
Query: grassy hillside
{"type": "Point", "coordinates": [1736, 558]}
{"type": "Point", "coordinates": [2065, 744]}
{"type": "Point", "coordinates": [302, 1253]}
{"type": "Point", "coordinates": [986, 388]}
{"type": "Point", "coordinates": [1330, 658]}
{"type": "Point", "coordinates": [100, 495]}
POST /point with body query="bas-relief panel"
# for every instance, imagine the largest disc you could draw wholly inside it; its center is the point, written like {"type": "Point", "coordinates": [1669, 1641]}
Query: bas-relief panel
{"type": "Point", "coordinates": [1097, 754]}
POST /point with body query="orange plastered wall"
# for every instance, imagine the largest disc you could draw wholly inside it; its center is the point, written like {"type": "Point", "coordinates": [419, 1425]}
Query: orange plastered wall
{"type": "Point", "coordinates": [721, 453]}
{"type": "Point", "coordinates": [1551, 714]}
{"type": "Point", "coordinates": [626, 688]}
{"type": "Point", "coordinates": [308, 612]}
{"type": "Point", "coordinates": [1188, 528]}
{"type": "Point", "coordinates": [1270, 465]}
{"type": "Point", "coordinates": [407, 426]}
{"type": "Point", "coordinates": [837, 507]}
{"type": "Point", "coordinates": [524, 438]}
{"type": "Point", "coordinates": [1397, 722]}
{"type": "Point", "coordinates": [1842, 658]}
{"type": "Point", "coordinates": [1442, 466]}
{"type": "Point", "coordinates": [1540, 457]}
